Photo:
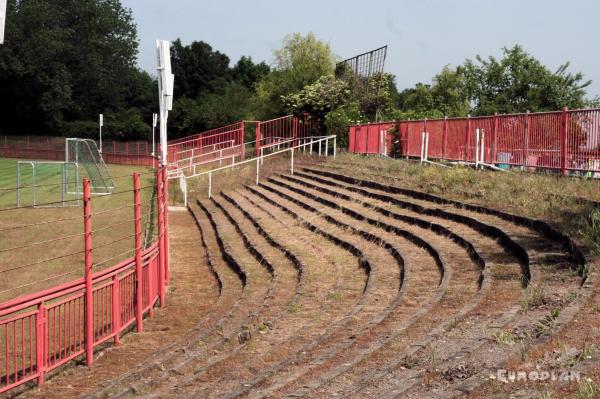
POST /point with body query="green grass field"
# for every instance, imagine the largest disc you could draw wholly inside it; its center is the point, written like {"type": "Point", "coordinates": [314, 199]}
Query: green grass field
{"type": "Point", "coordinates": [42, 247]}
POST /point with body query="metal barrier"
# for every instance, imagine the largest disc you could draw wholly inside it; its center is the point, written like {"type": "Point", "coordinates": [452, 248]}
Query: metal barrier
{"type": "Point", "coordinates": [47, 329]}
{"type": "Point", "coordinates": [135, 153]}
{"type": "Point", "coordinates": [567, 140]}
{"type": "Point", "coordinates": [310, 142]}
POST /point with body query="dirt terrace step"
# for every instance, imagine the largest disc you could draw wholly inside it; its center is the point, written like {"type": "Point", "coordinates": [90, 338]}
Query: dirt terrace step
{"type": "Point", "coordinates": [312, 225]}
{"type": "Point", "coordinates": [455, 295]}
{"type": "Point", "coordinates": [371, 330]}
{"type": "Point", "coordinates": [316, 303]}
{"type": "Point", "coordinates": [544, 274]}
{"type": "Point", "coordinates": [288, 287]}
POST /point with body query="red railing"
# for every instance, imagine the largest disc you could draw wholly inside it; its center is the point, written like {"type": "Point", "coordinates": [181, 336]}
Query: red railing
{"type": "Point", "coordinates": [287, 129]}
{"type": "Point", "coordinates": [136, 153]}
{"type": "Point", "coordinates": [206, 142]}
{"type": "Point", "coordinates": [564, 140]}
{"type": "Point", "coordinates": [44, 330]}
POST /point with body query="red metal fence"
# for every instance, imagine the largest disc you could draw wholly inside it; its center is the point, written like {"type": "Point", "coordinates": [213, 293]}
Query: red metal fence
{"type": "Point", "coordinates": [44, 330]}
{"type": "Point", "coordinates": [565, 140]}
{"type": "Point", "coordinates": [287, 129]}
{"type": "Point", "coordinates": [135, 153]}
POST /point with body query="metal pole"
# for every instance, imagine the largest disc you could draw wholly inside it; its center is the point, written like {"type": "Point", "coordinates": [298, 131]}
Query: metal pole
{"type": "Point", "coordinates": [257, 170]}
{"type": "Point", "coordinates": [312, 140]}
{"type": "Point", "coordinates": [334, 147]}
{"type": "Point", "coordinates": [476, 148]}
{"type": "Point", "coordinates": [320, 146]}
{"type": "Point", "coordinates": [138, 252]}
{"type": "Point", "coordinates": [262, 159]}
{"type": "Point", "coordinates": [210, 185]}
{"type": "Point", "coordinates": [161, 246]}
{"type": "Point", "coordinates": [89, 295]}
{"type": "Point", "coordinates": [33, 181]}
{"type": "Point", "coordinates": [18, 185]}
{"type": "Point", "coordinates": [292, 168]}
{"type": "Point", "coordinates": [326, 147]}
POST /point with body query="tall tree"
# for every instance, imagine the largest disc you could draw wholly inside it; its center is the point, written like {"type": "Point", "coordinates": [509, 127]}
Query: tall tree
{"type": "Point", "coordinates": [519, 82]}
{"type": "Point", "coordinates": [300, 61]}
{"type": "Point", "coordinates": [67, 60]}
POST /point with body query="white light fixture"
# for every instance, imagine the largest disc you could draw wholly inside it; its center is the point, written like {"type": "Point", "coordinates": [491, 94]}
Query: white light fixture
{"type": "Point", "coordinates": [165, 91]}
{"type": "Point", "coordinates": [2, 19]}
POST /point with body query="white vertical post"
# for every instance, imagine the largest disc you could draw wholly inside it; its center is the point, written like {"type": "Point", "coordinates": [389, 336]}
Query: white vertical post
{"type": "Point", "coordinates": [292, 166]}
{"type": "Point", "coordinates": [311, 146]}
{"type": "Point", "coordinates": [257, 170]}
{"type": "Point", "coordinates": [320, 146]}
{"type": "Point", "coordinates": [326, 146]}
{"type": "Point", "coordinates": [262, 156]}
{"type": "Point", "coordinates": [154, 121]}
{"type": "Point", "coordinates": [334, 147]}
{"type": "Point", "coordinates": [101, 123]}
{"type": "Point", "coordinates": [477, 149]}
{"type": "Point", "coordinates": [210, 185]}
{"type": "Point", "coordinates": [426, 146]}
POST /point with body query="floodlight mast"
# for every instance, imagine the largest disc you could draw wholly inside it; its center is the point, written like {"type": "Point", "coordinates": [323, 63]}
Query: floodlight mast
{"type": "Point", "coordinates": [165, 91]}
{"type": "Point", "coordinates": [2, 19]}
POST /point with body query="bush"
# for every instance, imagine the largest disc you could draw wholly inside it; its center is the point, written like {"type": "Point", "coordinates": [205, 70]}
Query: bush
{"type": "Point", "coordinates": [338, 121]}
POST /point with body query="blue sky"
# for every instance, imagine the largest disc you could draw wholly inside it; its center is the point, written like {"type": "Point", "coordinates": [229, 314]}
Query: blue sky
{"type": "Point", "coordinates": [422, 36]}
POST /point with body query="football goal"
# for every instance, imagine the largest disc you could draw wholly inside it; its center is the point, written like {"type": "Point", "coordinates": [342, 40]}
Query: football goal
{"type": "Point", "coordinates": [58, 183]}
{"type": "Point", "coordinates": [48, 184]}
{"type": "Point", "coordinates": [85, 154]}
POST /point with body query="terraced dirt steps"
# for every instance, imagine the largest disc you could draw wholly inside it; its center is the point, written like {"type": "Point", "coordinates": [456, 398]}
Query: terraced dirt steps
{"type": "Point", "coordinates": [548, 276]}
{"type": "Point", "coordinates": [204, 375]}
{"type": "Point", "coordinates": [371, 300]}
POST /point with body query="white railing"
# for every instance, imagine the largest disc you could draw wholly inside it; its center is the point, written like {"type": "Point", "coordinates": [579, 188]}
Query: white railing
{"type": "Point", "coordinates": [308, 142]}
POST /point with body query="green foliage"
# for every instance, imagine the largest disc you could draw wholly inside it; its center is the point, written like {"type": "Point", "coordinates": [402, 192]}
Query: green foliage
{"type": "Point", "coordinates": [338, 120]}
{"type": "Point", "coordinates": [301, 61]}
{"type": "Point", "coordinates": [209, 110]}
{"type": "Point", "coordinates": [208, 93]}
{"type": "Point", "coordinates": [317, 99]}
{"type": "Point", "coordinates": [68, 60]}
{"type": "Point", "coordinates": [519, 82]}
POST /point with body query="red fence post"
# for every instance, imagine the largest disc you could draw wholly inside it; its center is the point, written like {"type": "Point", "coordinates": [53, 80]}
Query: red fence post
{"type": "Point", "coordinates": [563, 141]}
{"type": "Point", "coordinates": [495, 137]}
{"type": "Point", "coordinates": [294, 131]}
{"type": "Point", "coordinates": [526, 140]}
{"type": "Point", "coordinates": [161, 243]}
{"type": "Point", "coordinates": [257, 138]}
{"type": "Point", "coordinates": [89, 294]}
{"type": "Point", "coordinates": [166, 224]}
{"type": "Point", "coordinates": [444, 137]}
{"type": "Point", "coordinates": [138, 252]}
{"type": "Point", "coordinates": [116, 308]}
{"type": "Point", "coordinates": [468, 138]}
{"type": "Point", "coordinates": [40, 343]}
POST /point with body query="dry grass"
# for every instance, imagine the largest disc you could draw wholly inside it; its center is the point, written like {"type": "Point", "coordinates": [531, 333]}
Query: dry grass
{"type": "Point", "coordinates": [548, 197]}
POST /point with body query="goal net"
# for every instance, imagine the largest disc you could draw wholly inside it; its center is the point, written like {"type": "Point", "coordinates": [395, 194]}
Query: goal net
{"type": "Point", "coordinates": [85, 154]}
